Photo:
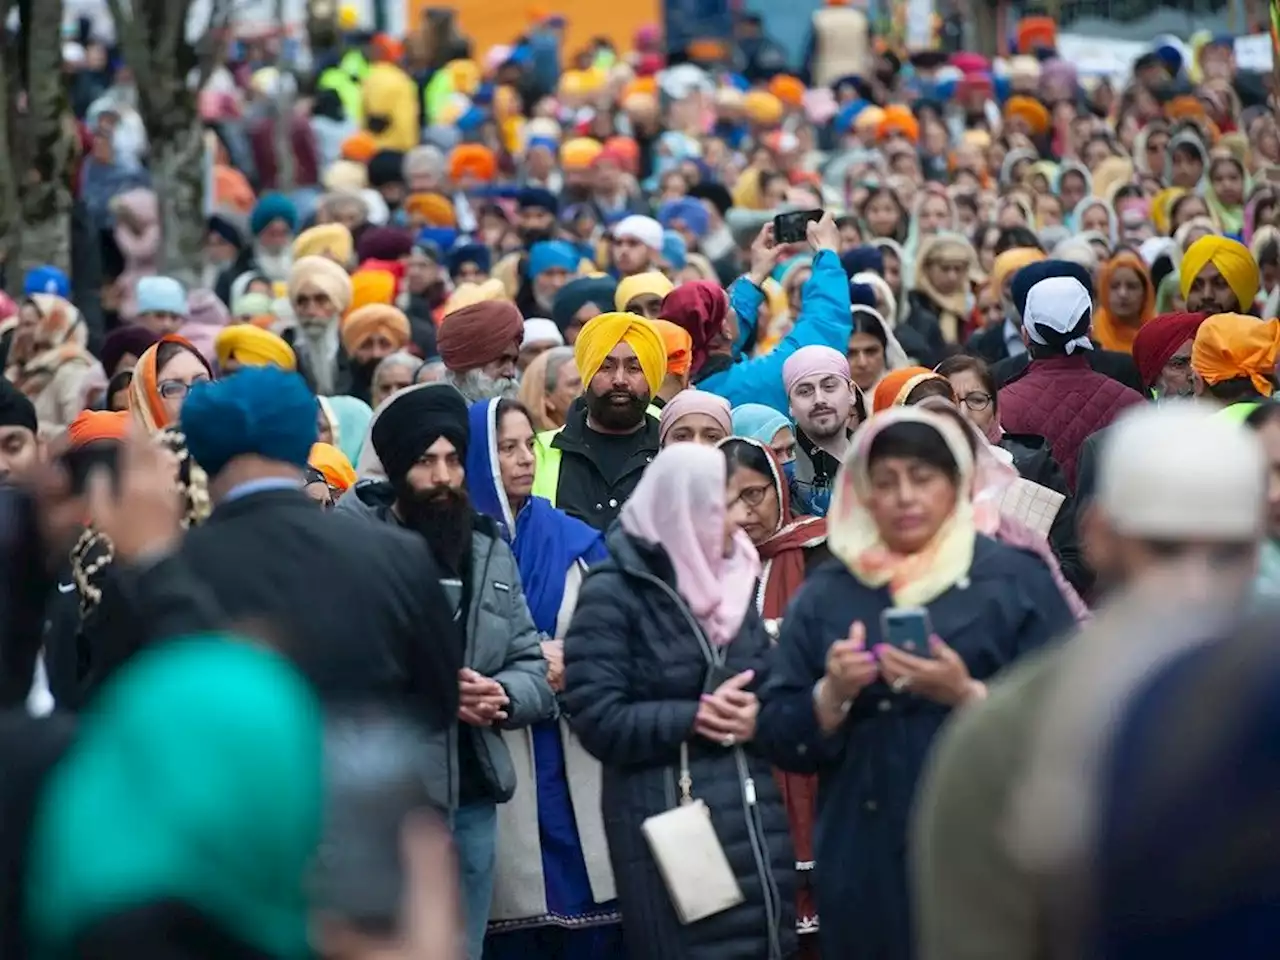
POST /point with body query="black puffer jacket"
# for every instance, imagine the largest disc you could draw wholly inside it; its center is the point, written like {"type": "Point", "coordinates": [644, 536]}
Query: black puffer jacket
{"type": "Point", "coordinates": [635, 665]}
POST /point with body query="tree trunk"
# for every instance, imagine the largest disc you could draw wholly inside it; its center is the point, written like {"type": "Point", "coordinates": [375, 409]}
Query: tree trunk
{"type": "Point", "coordinates": [47, 146]}
{"type": "Point", "coordinates": [178, 178]}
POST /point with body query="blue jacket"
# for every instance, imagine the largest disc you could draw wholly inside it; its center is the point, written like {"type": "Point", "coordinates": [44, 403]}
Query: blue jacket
{"type": "Point", "coordinates": [824, 320]}
{"type": "Point", "coordinates": [868, 768]}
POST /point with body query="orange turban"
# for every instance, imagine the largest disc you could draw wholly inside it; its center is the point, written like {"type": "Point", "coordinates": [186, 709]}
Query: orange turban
{"type": "Point", "coordinates": [359, 325]}
{"type": "Point", "coordinates": [626, 151]}
{"type": "Point", "coordinates": [1230, 345]}
{"type": "Point", "coordinates": [372, 287]}
{"type": "Point", "coordinates": [1185, 107]}
{"type": "Point", "coordinates": [579, 153]}
{"type": "Point", "coordinates": [643, 85]}
{"type": "Point", "coordinates": [787, 89]}
{"type": "Point", "coordinates": [1037, 32]}
{"type": "Point", "coordinates": [1030, 111]}
{"type": "Point", "coordinates": [893, 389]}
{"type": "Point", "coordinates": [359, 147]}
{"type": "Point", "coordinates": [898, 119]}
{"type": "Point", "coordinates": [333, 464]}
{"type": "Point", "coordinates": [435, 208]}
{"type": "Point", "coordinates": [679, 346]}
{"type": "Point", "coordinates": [472, 160]}
{"type": "Point", "coordinates": [90, 426]}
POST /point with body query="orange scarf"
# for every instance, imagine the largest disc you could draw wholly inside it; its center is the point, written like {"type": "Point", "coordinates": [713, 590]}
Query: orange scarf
{"type": "Point", "coordinates": [1108, 331]}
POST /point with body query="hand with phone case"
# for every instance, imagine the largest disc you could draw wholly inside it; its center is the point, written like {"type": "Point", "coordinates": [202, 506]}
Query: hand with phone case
{"type": "Point", "coordinates": [940, 676]}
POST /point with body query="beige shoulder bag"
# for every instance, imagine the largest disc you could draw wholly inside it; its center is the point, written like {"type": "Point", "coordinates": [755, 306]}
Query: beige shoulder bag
{"type": "Point", "coordinates": [689, 855]}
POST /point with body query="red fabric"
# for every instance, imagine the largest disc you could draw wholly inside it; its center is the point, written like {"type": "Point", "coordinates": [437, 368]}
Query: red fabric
{"type": "Point", "coordinates": [783, 554]}
{"type": "Point", "coordinates": [1063, 400]}
{"type": "Point", "coordinates": [700, 307]}
{"type": "Point", "coordinates": [262, 141]}
{"type": "Point", "coordinates": [1159, 339]}
{"type": "Point", "coordinates": [479, 334]}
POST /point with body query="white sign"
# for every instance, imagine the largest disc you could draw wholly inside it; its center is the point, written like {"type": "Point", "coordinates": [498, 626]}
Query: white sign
{"type": "Point", "coordinates": [1253, 53]}
{"type": "Point", "coordinates": [1099, 56]}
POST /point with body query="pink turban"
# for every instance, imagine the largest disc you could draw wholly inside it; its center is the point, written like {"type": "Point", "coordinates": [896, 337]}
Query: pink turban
{"type": "Point", "coordinates": [694, 401]}
{"type": "Point", "coordinates": [811, 362]}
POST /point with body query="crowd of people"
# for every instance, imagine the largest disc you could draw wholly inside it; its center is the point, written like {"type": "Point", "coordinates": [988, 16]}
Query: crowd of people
{"type": "Point", "coordinates": [521, 543]}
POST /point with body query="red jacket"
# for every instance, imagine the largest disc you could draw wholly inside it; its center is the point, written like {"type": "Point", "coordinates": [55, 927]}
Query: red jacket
{"type": "Point", "coordinates": [1063, 400]}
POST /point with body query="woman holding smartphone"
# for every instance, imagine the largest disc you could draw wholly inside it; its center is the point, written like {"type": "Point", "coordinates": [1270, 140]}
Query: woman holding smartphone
{"type": "Point", "coordinates": [842, 702]}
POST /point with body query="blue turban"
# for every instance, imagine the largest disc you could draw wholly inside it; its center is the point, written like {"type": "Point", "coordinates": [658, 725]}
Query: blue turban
{"type": "Point", "coordinates": [258, 410]}
{"type": "Point", "coordinates": [690, 212]}
{"type": "Point", "coordinates": [552, 255]}
{"type": "Point", "coordinates": [1033, 273]}
{"type": "Point", "coordinates": [46, 279]}
{"type": "Point", "coordinates": [273, 206]}
{"type": "Point", "coordinates": [576, 294]}
{"type": "Point", "coordinates": [443, 237]}
{"type": "Point", "coordinates": [848, 114]}
{"type": "Point", "coordinates": [476, 253]}
{"type": "Point", "coordinates": [536, 198]}
{"type": "Point", "coordinates": [674, 250]}
{"type": "Point", "coordinates": [867, 258]}
{"type": "Point", "coordinates": [863, 295]}
{"type": "Point", "coordinates": [758, 422]}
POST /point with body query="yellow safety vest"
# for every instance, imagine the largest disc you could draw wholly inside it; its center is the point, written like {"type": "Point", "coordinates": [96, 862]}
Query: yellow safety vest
{"type": "Point", "coordinates": [546, 470]}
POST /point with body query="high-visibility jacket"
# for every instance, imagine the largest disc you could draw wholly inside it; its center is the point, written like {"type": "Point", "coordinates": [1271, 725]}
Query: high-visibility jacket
{"type": "Point", "coordinates": [546, 471]}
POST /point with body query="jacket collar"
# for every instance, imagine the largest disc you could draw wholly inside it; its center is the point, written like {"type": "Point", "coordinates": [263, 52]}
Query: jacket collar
{"type": "Point", "coordinates": [574, 439]}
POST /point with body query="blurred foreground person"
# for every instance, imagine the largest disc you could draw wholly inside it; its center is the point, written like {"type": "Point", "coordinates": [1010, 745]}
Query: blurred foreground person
{"type": "Point", "coordinates": [661, 662]}
{"type": "Point", "coordinates": [1175, 483]}
{"type": "Point", "coordinates": [376, 632]}
{"type": "Point", "coordinates": [845, 703]}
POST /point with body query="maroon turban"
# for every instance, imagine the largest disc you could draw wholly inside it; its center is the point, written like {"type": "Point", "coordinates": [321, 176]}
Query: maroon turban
{"type": "Point", "coordinates": [383, 243]}
{"type": "Point", "coordinates": [700, 307]}
{"type": "Point", "coordinates": [1159, 339]}
{"type": "Point", "coordinates": [479, 334]}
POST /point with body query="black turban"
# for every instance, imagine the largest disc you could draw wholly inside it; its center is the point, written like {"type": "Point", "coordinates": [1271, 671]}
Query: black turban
{"type": "Point", "coordinates": [413, 420]}
{"type": "Point", "coordinates": [16, 408]}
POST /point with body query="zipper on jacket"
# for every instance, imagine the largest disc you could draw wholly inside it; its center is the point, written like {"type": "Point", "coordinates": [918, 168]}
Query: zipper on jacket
{"type": "Point", "coordinates": [747, 787]}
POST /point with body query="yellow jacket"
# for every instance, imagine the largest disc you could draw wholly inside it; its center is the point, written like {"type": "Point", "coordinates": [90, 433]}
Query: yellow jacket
{"type": "Point", "coordinates": [391, 94]}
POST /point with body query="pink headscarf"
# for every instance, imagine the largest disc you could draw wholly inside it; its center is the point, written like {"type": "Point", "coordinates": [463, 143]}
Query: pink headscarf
{"type": "Point", "coordinates": [679, 505]}
{"type": "Point", "coordinates": [694, 401]}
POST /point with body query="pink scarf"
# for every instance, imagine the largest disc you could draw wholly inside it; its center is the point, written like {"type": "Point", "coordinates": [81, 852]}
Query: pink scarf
{"type": "Point", "coordinates": [679, 505]}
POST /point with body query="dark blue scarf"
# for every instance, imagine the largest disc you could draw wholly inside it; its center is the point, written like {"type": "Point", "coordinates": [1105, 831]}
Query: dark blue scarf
{"type": "Point", "coordinates": [546, 542]}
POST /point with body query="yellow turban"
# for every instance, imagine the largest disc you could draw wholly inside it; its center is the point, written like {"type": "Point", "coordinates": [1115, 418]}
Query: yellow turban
{"type": "Point", "coordinates": [435, 208]}
{"type": "Point", "coordinates": [469, 294]}
{"type": "Point", "coordinates": [331, 240]}
{"type": "Point", "coordinates": [1228, 346]}
{"type": "Point", "coordinates": [762, 108]}
{"type": "Point", "coordinates": [638, 285]}
{"type": "Point", "coordinates": [359, 325]}
{"type": "Point", "coordinates": [333, 463]}
{"type": "Point", "coordinates": [1009, 263]}
{"type": "Point", "coordinates": [252, 346]}
{"type": "Point", "coordinates": [320, 274]}
{"type": "Point", "coordinates": [604, 332]}
{"type": "Point", "coordinates": [579, 153]}
{"type": "Point", "coordinates": [372, 287]}
{"type": "Point", "coordinates": [1233, 260]}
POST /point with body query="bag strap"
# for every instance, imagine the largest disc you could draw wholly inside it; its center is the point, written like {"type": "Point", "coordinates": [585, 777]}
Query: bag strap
{"type": "Point", "coordinates": [686, 778]}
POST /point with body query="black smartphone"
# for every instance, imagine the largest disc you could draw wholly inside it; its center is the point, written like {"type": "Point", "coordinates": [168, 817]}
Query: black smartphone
{"type": "Point", "coordinates": [792, 227]}
{"type": "Point", "coordinates": [81, 463]}
{"type": "Point", "coordinates": [908, 629]}
{"type": "Point", "coordinates": [717, 674]}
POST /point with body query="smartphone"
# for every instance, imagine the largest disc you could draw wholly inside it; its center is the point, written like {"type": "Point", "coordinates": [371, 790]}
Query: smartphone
{"type": "Point", "coordinates": [717, 674]}
{"type": "Point", "coordinates": [791, 227]}
{"type": "Point", "coordinates": [908, 629]}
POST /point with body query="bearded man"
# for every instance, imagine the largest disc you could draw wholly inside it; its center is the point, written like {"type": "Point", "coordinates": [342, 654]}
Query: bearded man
{"type": "Point", "coordinates": [421, 437]}
{"type": "Point", "coordinates": [480, 347]}
{"type": "Point", "coordinates": [320, 292]}
{"type": "Point", "coordinates": [273, 223]}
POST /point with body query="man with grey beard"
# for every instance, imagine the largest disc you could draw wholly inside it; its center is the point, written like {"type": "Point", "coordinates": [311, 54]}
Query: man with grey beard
{"type": "Point", "coordinates": [480, 347]}
{"type": "Point", "coordinates": [319, 292]}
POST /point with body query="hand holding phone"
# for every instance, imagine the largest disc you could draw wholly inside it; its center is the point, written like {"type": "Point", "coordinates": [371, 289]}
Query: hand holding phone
{"type": "Point", "coordinates": [793, 226]}
{"type": "Point", "coordinates": [937, 673]}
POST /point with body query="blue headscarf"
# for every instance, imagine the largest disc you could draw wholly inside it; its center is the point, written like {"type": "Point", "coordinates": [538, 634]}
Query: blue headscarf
{"type": "Point", "coordinates": [546, 542]}
{"type": "Point", "coordinates": [755, 421]}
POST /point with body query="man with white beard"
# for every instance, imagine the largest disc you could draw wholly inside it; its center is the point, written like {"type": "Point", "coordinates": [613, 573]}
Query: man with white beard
{"type": "Point", "coordinates": [480, 347]}
{"type": "Point", "coordinates": [320, 293]}
{"type": "Point", "coordinates": [273, 224]}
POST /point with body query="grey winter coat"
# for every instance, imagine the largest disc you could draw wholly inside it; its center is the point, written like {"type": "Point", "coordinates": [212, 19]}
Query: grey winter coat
{"type": "Point", "coordinates": [501, 643]}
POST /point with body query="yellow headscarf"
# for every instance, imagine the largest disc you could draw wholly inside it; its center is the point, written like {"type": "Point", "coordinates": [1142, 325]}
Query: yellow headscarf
{"type": "Point", "coordinates": [252, 346]}
{"type": "Point", "coordinates": [1231, 345]}
{"type": "Point", "coordinates": [1160, 206]}
{"type": "Point", "coordinates": [1009, 263]}
{"type": "Point", "coordinates": [638, 285]}
{"type": "Point", "coordinates": [1233, 260]}
{"type": "Point", "coordinates": [469, 294]}
{"type": "Point", "coordinates": [1111, 175]}
{"type": "Point", "coordinates": [914, 579]}
{"type": "Point", "coordinates": [604, 332]}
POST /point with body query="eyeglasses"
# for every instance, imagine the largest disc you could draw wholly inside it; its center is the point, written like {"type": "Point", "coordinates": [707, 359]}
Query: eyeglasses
{"type": "Point", "coordinates": [752, 496]}
{"type": "Point", "coordinates": [177, 389]}
{"type": "Point", "coordinates": [976, 400]}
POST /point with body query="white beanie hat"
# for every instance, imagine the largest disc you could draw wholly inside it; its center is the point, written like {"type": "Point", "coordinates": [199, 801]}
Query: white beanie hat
{"type": "Point", "coordinates": [1179, 471]}
{"type": "Point", "coordinates": [645, 229]}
